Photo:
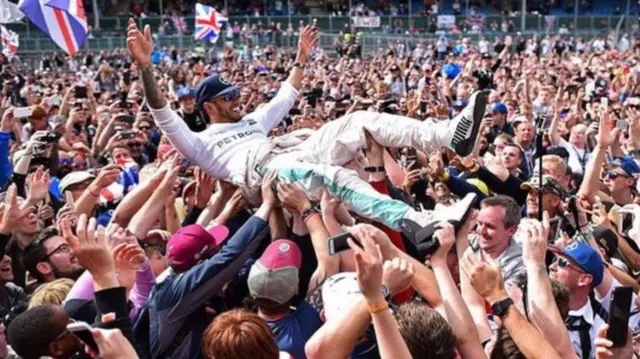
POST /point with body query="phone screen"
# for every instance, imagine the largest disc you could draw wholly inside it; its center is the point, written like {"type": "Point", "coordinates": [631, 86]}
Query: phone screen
{"type": "Point", "coordinates": [338, 243]}
{"type": "Point", "coordinates": [619, 310]}
{"type": "Point", "coordinates": [82, 331]}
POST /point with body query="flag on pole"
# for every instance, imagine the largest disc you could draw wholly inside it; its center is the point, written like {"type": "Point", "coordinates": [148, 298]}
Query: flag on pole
{"type": "Point", "coordinates": [9, 41]}
{"type": "Point", "coordinates": [9, 12]}
{"type": "Point", "coordinates": [208, 22]}
{"type": "Point", "coordinates": [64, 21]}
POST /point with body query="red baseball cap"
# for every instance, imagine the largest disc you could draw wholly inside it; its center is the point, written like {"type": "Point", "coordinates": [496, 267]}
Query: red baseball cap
{"type": "Point", "coordinates": [193, 243]}
{"type": "Point", "coordinates": [274, 276]}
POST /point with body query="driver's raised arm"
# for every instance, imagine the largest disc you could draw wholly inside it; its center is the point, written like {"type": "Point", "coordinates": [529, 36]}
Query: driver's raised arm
{"type": "Point", "coordinates": [140, 47]}
{"type": "Point", "coordinates": [271, 114]}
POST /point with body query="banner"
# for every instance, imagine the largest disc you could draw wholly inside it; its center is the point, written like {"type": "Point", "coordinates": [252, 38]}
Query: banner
{"type": "Point", "coordinates": [446, 22]}
{"type": "Point", "coordinates": [366, 21]}
{"type": "Point", "coordinates": [9, 12]}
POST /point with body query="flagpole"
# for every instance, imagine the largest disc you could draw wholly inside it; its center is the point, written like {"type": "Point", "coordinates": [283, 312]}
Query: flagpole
{"type": "Point", "coordinates": [96, 14]}
{"type": "Point", "coordinates": [226, 8]}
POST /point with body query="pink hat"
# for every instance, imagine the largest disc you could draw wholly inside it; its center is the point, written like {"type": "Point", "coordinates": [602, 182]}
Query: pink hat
{"type": "Point", "coordinates": [275, 275]}
{"type": "Point", "coordinates": [193, 243]}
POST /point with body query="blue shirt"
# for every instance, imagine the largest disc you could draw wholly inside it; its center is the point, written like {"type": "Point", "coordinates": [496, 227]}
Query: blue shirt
{"type": "Point", "coordinates": [293, 331]}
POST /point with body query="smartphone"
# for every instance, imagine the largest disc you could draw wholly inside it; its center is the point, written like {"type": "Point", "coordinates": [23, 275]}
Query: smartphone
{"type": "Point", "coordinates": [126, 77]}
{"type": "Point", "coordinates": [554, 225]}
{"type": "Point", "coordinates": [619, 310]}
{"type": "Point", "coordinates": [22, 112]}
{"type": "Point", "coordinates": [604, 101]}
{"type": "Point", "coordinates": [124, 104]}
{"type": "Point", "coordinates": [622, 125]}
{"type": "Point", "coordinates": [54, 101]}
{"type": "Point", "coordinates": [82, 331]}
{"type": "Point", "coordinates": [127, 135]}
{"type": "Point", "coordinates": [626, 218]}
{"type": "Point", "coordinates": [81, 91]}
{"type": "Point", "coordinates": [50, 137]}
{"type": "Point", "coordinates": [338, 243]}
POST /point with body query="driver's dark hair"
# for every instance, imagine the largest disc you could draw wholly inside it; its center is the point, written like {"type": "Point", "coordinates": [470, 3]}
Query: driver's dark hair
{"type": "Point", "coordinates": [512, 214]}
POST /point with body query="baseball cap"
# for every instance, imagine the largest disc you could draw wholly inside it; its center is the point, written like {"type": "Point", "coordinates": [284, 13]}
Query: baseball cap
{"type": "Point", "coordinates": [274, 276]}
{"type": "Point", "coordinates": [186, 92]}
{"type": "Point", "coordinates": [549, 183]}
{"type": "Point", "coordinates": [74, 178]}
{"type": "Point", "coordinates": [499, 107]}
{"type": "Point", "coordinates": [211, 87]}
{"type": "Point", "coordinates": [486, 55]}
{"type": "Point", "coordinates": [628, 165]}
{"type": "Point", "coordinates": [340, 293]}
{"type": "Point", "coordinates": [585, 257]}
{"type": "Point", "coordinates": [606, 239]}
{"type": "Point", "coordinates": [192, 243]}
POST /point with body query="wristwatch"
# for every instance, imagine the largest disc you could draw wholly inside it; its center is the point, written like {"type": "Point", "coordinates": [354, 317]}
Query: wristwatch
{"type": "Point", "coordinates": [374, 169]}
{"type": "Point", "coordinates": [298, 65]}
{"type": "Point", "coordinates": [500, 308]}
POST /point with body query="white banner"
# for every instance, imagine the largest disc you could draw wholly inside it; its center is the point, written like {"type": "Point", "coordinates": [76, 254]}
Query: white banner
{"type": "Point", "coordinates": [366, 21]}
{"type": "Point", "coordinates": [446, 21]}
{"type": "Point", "coordinates": [9, 12]}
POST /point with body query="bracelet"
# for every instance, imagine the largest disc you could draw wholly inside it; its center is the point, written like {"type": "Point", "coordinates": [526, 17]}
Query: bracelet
{"type": "Point", "coordinates": [308, 212]}
{"type": "Point", "coordinates": [379, 307]}
{"type": "Point", "coordinates": [93, 194]}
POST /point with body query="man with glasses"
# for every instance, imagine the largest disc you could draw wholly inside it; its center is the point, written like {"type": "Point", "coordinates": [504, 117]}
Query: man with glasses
{"type": "Point", "coordinates": [49, 258]}
{"type": "Point", "coordinates": [235, 147]}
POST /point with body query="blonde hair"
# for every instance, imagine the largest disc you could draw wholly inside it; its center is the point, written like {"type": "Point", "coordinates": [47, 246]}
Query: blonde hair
{"type": "Point", "coordinates": [51, 293]}
{"type": "Point", "coordinates": [556, 160]}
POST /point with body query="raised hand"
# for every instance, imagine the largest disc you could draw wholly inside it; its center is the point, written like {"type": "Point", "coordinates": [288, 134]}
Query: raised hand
{"type": "Point", "coordinates": [397, 275]}
{"type": "Point", "coordinates": [204, 187]}
{"type": "Point", "coordinates": [485, 278]}
{"type": "Point", "coordinates": [293, 197]}
{"type": "Point", "coordinates": [39, 183]}
{"type": "Point", "coordinates": [139, 45]}
{"type": "Point", "coordinates": [368, 261]}
{"type": "Point", "coordinates": [268, 188]}
{"type": "Point", "coordinates": [534, 246]}
{"type": "Point", "coordinates": [89, 245]}
{"type": "Point", "coordinates": [306, 43]}
{"type": "Point", "coordinates": [130, 256]}
{"type": "Point", "coordinates": [328, 204]}
{"type": "Point", "coordinates": [445, 234]}
{"type": "Point", "coordinates": [12, 215]}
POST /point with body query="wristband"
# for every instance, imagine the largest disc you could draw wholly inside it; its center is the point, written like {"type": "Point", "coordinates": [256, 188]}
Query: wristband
{"type": "Point", "coordinates": [379, 307]}
{"type": "Point", "coordinates": [308, 212]}
{"type": "Point", "coordinates": [298, 65]}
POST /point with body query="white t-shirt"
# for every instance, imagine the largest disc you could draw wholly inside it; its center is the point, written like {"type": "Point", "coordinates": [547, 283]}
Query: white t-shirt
{"type": "Point", "coordinates": [222, 148]}
{"type": "Point", "coordinates": [578, 158]}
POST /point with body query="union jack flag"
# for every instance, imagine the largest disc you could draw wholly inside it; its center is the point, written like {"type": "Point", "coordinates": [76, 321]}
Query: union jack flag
{"type": "Point", "coordinates": [9, 41]}
{"type": "Point", "coordinates": [64, 21]}
{"type": "Point", "coordinates": [208, 22]}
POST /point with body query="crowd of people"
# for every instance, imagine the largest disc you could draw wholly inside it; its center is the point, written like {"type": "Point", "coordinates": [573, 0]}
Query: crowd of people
{"type": "Point", "coordinates": [455, 200]}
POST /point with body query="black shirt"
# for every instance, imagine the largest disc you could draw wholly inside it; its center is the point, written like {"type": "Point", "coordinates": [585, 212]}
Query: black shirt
{"type": "Point", "coordinates": [194, 120]}
{"type": "Point", "coordinates": [485, 77]}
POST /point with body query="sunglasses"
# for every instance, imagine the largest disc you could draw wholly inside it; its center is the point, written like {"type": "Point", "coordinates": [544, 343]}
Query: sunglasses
{"type": "Point", "coordinates": [134, 145]}
{"type": "Point", "coordinates": [229, 96]}
{"type": "Point", "coordinates": [564, 263]}
{"type": "Point", "coordinates": [144, 128]}
{"type": "Point", "coordinates": [613, 175]}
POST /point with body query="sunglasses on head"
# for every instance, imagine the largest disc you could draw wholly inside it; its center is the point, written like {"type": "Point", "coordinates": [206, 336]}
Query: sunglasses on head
{"type": "Point", "coordinates": [229, 96]}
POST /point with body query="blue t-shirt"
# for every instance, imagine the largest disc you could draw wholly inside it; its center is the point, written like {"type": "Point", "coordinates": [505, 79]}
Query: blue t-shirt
{"type": "Point", "coordinates": [293, 331]}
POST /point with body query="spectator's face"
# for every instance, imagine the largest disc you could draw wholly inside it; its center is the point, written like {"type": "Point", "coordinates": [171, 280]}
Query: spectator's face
{"type": "Point", "coordinates": [550, 202]}
{"type": "Point", "coordinates": [524, 132]}
{"type": "Point", "coordinates": [6, 272]}
{"type": "Point", "coordinates": [510, 157]}
{"type": "Point", "coordinates": [64, 264]}
{"type": "Point", "coordinates": [494, 97]}
{"type": "Point", "coordinates": [188, 104]}
{"type": "Point", "coordinates": [554, 169]}
{"type": "Point", "coordinates": [491, 229]}
{"type": "Point", "coordinates": [79, 163]}
{"type": "Point", "coordinates": [565, 271]}
{"type": "Point", "coordinates": [545, 96]}
{"type": "Point", "coordinates": [441, 189]}
{"type": "Point", "coordinates": [578, 135]}
{"type": "Point", "coordinates": [146, 127]}
{"type": "Point", "coordinates": [617, 180]}
{"type": "Point", "coordinates": [29, 225]}
{"type": "Point", "coordinates": [462, 93]}
{"type": "Point", "coordinates": [121, 155]}
{"type": "Point", "coordinates": [38, 124]}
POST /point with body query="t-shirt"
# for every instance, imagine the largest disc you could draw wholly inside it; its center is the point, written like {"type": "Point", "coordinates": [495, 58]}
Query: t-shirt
{"type": "Point", "coordinates": [578, 158]}
{"type": "Point", "coordinates": [194, 120]}
{"type": "Point", "coordinates": [293, 331]}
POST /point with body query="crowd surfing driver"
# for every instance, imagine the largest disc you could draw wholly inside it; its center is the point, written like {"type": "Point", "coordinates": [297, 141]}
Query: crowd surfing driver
{"type": "Point", "coordinates": [235, 146]}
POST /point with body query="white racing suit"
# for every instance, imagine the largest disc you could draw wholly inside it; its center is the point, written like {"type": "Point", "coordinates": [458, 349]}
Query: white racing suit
{"type": "Point", "coordinates": [242, 153]}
